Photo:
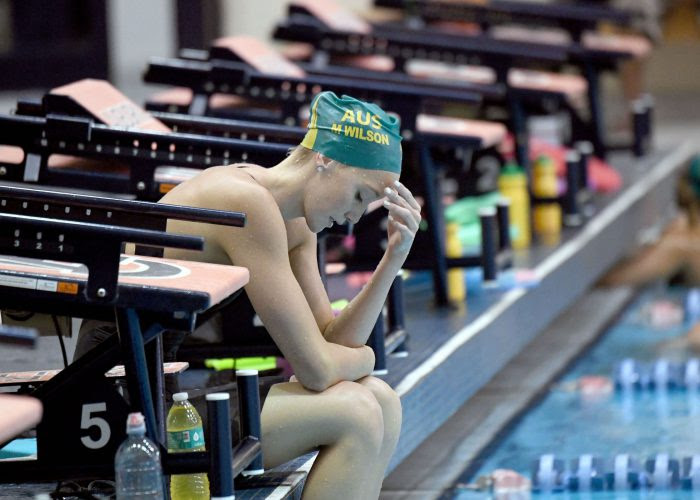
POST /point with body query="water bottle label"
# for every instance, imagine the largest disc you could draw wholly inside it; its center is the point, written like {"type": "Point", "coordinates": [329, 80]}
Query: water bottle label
{"type": "Point", "coordinates": [186, 440]}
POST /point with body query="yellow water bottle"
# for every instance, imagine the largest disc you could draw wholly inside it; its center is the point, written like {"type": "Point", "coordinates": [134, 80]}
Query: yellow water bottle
{"type": "Point", "coordinates": [456, 289]}
{"type": "Point", "coordinates": [546, 216]}
{"type": "Point", "coordinates": [185, 433]}
{"type": "Point", "coordinates": [512, 183]}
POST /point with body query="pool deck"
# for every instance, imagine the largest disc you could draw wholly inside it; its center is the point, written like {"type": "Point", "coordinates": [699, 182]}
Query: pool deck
{"type": "Point", "coordinates": [445, 394]}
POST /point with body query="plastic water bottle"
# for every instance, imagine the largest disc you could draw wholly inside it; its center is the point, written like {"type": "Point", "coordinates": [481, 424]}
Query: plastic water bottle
{"type": "Point", "coordinates": [185, 434]}
{"type": "Point", "coordinates": [547, 218]}
{"type": "Point", "coordinates": [137, 464]}
{"type": "Point", "coordinates": [456, 288]}
{"type": "Point", "coordinates": [512, 183]}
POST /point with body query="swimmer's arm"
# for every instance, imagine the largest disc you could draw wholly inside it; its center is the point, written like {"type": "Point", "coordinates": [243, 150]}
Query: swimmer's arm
{"type": "Point", "coordinates": [660, 260]}
{"type": "Point", "coordinates": [280, 302]}
{"type": "Point", "coordinates": [354, 324]}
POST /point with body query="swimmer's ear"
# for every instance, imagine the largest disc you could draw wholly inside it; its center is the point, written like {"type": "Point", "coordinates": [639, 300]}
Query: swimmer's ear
{"type": "Point", "coordinates": [322, 163]}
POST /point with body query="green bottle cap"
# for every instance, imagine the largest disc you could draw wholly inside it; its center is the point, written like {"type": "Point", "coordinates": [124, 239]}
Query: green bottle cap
{"type": "Point", "coordinates": [512, 176]}
{"type": "Point", "coordinates": [512, 169]}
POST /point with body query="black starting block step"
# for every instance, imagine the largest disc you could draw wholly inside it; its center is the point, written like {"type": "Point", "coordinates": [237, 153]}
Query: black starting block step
{"type": "Point", "coordinates": [283, 482]}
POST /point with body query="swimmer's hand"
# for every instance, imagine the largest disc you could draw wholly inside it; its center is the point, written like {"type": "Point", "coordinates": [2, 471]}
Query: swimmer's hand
{"type": "Point", "coordinates": [404, 218]}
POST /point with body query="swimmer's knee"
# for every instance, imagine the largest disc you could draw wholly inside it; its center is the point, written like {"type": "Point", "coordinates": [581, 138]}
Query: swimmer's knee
{"type": "Point", "coordinates": [385, 395]}
{"type": "Point", "coordinates": [361, 414]}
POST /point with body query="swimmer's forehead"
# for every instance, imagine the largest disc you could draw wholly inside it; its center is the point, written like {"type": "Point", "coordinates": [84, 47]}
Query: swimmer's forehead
{"type": "Point", "coordinates": [374, 181]}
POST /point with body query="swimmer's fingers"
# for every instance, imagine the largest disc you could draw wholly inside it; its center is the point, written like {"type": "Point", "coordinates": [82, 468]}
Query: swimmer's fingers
{"type": "Point", "coordinates": [405, 215]}
{"type": "Point", "coordinates": [407, 195]}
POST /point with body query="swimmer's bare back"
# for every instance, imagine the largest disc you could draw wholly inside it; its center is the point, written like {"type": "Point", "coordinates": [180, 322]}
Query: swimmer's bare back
{"type": "Point", "coordinates": [230, 188]}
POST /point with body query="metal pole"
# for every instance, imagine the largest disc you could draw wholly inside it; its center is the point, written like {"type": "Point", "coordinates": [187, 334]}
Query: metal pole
{"type": "Point", "coordinates": [249, 412]}
{"type": "Point", "coordinates": [487, 217]}
{"type": "Point", "coordinates": [572, 213]}
{"type": "Point", "coordinates": [220, 446]}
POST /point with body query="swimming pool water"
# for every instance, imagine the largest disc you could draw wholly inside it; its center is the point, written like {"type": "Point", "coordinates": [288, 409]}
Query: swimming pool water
{"type": "Point", "coordinates": [641, 423]}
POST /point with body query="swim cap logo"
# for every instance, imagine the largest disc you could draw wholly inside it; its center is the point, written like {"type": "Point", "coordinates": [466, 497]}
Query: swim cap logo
{"type": "Point", "coordinates": [360, 133]}
{"type": "Point", "coordinates": [350, 116]}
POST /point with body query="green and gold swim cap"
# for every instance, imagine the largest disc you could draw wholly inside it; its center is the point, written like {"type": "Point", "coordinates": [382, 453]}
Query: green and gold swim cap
{"type": "Point", "coordinates": [353, 132]}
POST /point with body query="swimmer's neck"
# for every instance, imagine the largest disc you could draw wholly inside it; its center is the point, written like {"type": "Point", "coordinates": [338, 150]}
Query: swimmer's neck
{"type": "Point", "coordinates": [286, 181]}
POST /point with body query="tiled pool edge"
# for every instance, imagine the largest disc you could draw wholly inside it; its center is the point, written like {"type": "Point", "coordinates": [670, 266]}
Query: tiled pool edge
{"type": "Point", "coordinates": [442, 459]}
{"type": "Point", "coordinates": [438, 388]}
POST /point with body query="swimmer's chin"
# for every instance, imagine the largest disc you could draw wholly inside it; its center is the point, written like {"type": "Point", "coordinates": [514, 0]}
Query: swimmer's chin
{"type": "Point", "coordinates": [317, 228]}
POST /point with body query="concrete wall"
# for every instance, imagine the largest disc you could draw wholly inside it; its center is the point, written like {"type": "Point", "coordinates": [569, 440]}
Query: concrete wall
{"type": "Point", "coordinates": [257, 17]}
{"type": "Point", "coordinates": [675, 66]}
{"type": "Point", "coordinates": [137, 30]}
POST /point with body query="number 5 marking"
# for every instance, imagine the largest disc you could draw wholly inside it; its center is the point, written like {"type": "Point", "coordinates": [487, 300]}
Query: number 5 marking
{"type": "Point", "coordinates": [87, 421]}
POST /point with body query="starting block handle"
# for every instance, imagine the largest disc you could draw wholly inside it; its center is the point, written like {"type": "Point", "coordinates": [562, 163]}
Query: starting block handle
{"type": "Point", "coordinates": [143, 208]}
{"type": "Point", "coordinates": [91, 231]}
{"type": "Point", "coordinates": [271, 132]}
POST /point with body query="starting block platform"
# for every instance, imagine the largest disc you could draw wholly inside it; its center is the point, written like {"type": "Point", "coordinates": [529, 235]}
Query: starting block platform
{"type": "Point", "coordinates": [36, 377]}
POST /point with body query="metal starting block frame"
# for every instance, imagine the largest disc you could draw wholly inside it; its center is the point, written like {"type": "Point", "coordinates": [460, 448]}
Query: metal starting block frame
{"type": "Point", "coordinates": [575, 19]}
{"type": "Point", "coordinates": [401, 43]}
{"type": "Point", "coordinates": [243, 130]}
{"type": "Point", "coordinates": [572, 17]}
{"type": "Point", "coordinates": [293, 92]}
{"type": "Point", "coordinates": [84, 413]}
{"type": "Point", "coordinates": [142, 151]}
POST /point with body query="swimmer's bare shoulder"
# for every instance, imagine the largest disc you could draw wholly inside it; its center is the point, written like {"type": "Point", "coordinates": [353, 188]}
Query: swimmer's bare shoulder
{"type": "Point", "coordinates": [231, 189]}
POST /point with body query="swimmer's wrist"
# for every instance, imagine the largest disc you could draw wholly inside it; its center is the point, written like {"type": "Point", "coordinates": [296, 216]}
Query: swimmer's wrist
{"type": "Point", "coordinates": [395, 258]}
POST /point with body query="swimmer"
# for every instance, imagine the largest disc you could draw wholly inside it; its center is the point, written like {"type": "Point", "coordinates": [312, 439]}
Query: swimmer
{"type": "Point", "coordinates": [333, 404]}
{"type": "Point", "coordinates": [504, 484]}
{"type": "Point", "coordinates": [595, 386]}
{"type": "Point", "coordinates": [675, 253]}
{"type": "Point", "coordinates": [588, 386]}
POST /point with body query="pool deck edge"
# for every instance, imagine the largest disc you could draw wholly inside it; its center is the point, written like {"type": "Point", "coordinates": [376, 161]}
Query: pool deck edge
{"type": "Point", "coordinates": [460, 367]}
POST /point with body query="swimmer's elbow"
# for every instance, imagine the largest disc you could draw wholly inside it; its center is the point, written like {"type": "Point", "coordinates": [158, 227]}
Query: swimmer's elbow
{"type": "Point", "coordinates": [315, 383]}
{"type": "Point", "coordinates": [319, 376]}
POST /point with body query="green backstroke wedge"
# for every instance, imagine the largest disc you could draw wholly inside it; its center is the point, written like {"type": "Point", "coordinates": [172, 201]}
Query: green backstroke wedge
{"type": "Point", "coordinates": [252, 363]}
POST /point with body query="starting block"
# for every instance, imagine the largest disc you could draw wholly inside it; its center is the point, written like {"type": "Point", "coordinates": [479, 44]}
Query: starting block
{"type": "Point", "coordinates": [36, 377]}
{"type": "Point", "coordinates": [88, 277]}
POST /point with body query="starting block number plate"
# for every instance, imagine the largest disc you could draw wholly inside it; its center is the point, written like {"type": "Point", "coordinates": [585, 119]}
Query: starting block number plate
{"type": "Point", "coordinates": [88, 420]}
